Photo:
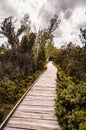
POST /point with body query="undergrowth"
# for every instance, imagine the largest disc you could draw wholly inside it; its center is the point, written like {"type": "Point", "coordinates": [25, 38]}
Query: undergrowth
{"type": "Point", "coordinates": [70, 102]}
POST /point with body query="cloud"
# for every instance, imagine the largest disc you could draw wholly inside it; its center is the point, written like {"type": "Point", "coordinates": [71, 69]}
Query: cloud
{"type": "Point", "coordinates": [6, 9]}
{"type": "Point", "coordinates": [57, 6]}
{"type": "Point", "coordinates": [72, 15]}
{"type": "Point", "coordinates": [68, 13]}
{"type": "Point", "coordinates": [18, 8]}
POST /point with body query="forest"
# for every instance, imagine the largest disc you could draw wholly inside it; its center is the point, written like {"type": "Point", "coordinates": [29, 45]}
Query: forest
{"type": "Point", "coordinates": [23, 59]}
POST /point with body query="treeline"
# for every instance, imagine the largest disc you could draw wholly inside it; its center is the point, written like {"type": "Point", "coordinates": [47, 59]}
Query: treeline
{"type": "Point", "coordinates": [21, 59]}
{"type": "Point", "coordinates": [71, 86]}
{"type": "Point", "coordinates": [73, 61]}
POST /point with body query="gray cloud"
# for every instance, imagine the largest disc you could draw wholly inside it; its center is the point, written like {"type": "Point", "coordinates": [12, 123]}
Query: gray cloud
{"type": "Point", "coordinates": [63, 5]}
{"type": "Point", "coordinates": [58, 33]}
{"type": "Point", "coordinates": [6, 9]}
{"type": "Point", "coordinates": [65, 9]}
{"type": "Point", "coordinates": [57, 6]}
{"type": "Point", "coordinates": [45, 15]}
{"type": "Point", "coordinates": [68, 13]}
{"type": "Point", "coordinates": [81, 25]}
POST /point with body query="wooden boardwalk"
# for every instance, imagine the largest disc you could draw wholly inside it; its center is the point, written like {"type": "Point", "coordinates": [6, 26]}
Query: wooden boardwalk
{"type": "Point", "coordinates": [37, 109]}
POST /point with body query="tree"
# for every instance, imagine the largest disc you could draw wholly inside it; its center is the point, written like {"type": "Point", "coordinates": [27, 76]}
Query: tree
{"type": "Point", "coordinates": [26, 56]}
{"type": "Point", "coordinates": [41, 58]}
{"type": "Point", "coordinates": [45, 36]}
{"type": "Point", "coordinates": [10, 58]}
{"type": "Point", "coordinates": [8, 30]}
{"type": "Point", "coordinates": [51, 51]}
{"type": "Point", "coordinates": [83, 36]}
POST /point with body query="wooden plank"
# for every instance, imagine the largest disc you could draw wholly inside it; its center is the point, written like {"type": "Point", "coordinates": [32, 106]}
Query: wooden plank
{"type": "Point", "coordinates": [11, 128]}
{"type": "Point", "coordinates": [40, 108]}
{"type": "Point", "coordinates": [37, 102]}
{"type": "Point", "coordinates": [38, 99]}
{"type": "Point", "coordinates": [39, 122]}
{"type": "Point", "coordinates": [42, 94]}
{"type": "Point", "coordinates": [27, 97]}
{"type": "Point", "coordinates": [46, 83]}
{"type": "Point", "coordinates": [45, 86]}
{"type": "Point", "coordinates": [43, 91]}
{"type": "Point", "coordinates": [40, 103]}
{"type": "Point", "coordinates": [32, 123]}
{"type": "Point", "coordinates": [36, 109]}
{"type": "Point", "coordinates": [30, 127]}
{"type": "Point", "coordinates": [44, 116]}
{"type": "Point", "coordinates": [36, 105]}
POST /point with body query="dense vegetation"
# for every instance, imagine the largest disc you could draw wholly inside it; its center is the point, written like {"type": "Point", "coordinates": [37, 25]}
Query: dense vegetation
{"type": "Point", "coordinates": [21, 59]}
{"type": "Point", "coordinates": [71, 103]}
{"type": "Point", "coordinates": [71, 86]}
{"type": "Point", "coordinates": [73, 61]}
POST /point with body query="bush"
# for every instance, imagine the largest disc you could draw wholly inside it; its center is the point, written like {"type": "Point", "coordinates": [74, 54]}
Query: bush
{"type": "Point", "coordinates": [1, 115]}
{"type": "Point", "coordinates": [71, 103]}
{"type": "Point", "coordinates": [73, 62]}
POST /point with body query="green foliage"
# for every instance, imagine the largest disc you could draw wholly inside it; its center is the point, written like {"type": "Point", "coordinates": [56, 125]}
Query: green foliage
{"type": "Point", "coordinates": [24, 44]}
{"type": "Point", "coordinates": [73, 61]}
{"type": "Point", "coordinates": [70, 103]}
{"type": "Point", "coordinates": [27, 43]}
{"type": "Point", "coordinates": [1, 115]}
{"type": "Point", "coordinates": [4, 110]}
{"type": "Point", "coordinates": [41, 59]}
{"type": "Point", "coordinates": [71, 87]}
{"type": "Point", "coordinates": [51, 51]}
{"type": "Point", "coordinates": [45, 36]}
{"type": "Point", "coordinates": [10, 93]}
{"type": "Point", "coordinates": [54, 23]}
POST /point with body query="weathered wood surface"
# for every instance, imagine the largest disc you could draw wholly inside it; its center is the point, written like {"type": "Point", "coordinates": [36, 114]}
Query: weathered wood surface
{"type": "Point", "coordinates": [37, 109]}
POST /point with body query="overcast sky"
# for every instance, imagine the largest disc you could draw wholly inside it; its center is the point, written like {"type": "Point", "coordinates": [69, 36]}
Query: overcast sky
{"type": "Point", "coordinates": [71, 13]}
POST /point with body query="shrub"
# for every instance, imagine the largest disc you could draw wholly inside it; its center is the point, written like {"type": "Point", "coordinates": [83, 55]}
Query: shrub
{"type": "Point", "coordinates": [71, 103]}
